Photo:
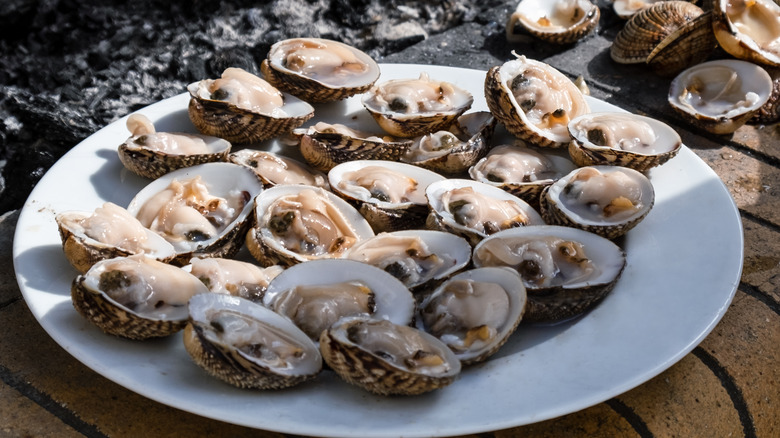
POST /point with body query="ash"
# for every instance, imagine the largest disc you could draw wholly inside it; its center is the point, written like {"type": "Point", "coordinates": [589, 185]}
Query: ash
{"type": "Point", "coordinates": [68, 68]}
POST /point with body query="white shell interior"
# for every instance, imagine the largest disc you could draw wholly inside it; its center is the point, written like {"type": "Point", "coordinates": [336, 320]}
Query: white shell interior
{"type": "Point", "coordinates": [630, 132]}
{"type": "Point", "coordinates": [202, 307]}
{"type": "Point", "coordinates": [323, 58]}
{"type": "Point", "coordinates": [606, 255]}
{"type": "Point", "coordinates": [393, 300]}
{"type": "Point", "coordinates": [721, 89]}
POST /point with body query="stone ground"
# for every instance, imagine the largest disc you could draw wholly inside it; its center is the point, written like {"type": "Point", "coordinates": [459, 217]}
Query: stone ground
{"type": "Point", "coordinates": [727, 386]}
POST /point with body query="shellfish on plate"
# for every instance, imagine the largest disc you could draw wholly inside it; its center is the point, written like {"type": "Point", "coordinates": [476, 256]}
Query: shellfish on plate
{"type": "Point", "coordinates": [413, 107]}
{"type": "Point", "coordinates": [534, 101]}
{"type": "Point", "coordinates": [297, 223]}
{"type": "Point", "coordinates": [319, 70]}
{"type": "Point", "coordinates": [247, 345]}
{"type": "Point", "coordinates": [622, 139]}
{"type": "Point", "coordinates": [389, 194]}
{"type": "Point", "coordinates": [316, 294]}
{"type": "Point", "coordinates": [474, 210]}
{"type": "Point", "coordinates": [475, 311]}
{"type": "Point", "coordinates": [521, 171]}
{"type": "Point", "coordinates": [418, 258]}
{"type": "Point", "coordinates": [135, 297]}
{"type": "Point", "coordinates": [107, 232]}
{"type": "Point", "coordinates": [386, 358]}
{"type": "Point", "coordinates": [152, 154]}
{"type": "Point", "coordinates": [565, 270]}
{"type": "Point", "coordinates": [605, 200]}
{"type": "Point", "coordinates": [203, 210]}
{"type": "Point", "coordinates": [243, 108]}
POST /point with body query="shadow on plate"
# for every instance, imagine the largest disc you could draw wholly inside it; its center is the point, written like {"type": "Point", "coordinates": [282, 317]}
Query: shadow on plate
{"type": "Point", "coordinates": [45, 268]}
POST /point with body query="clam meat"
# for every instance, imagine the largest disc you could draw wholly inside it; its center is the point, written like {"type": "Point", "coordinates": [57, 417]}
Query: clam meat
{"type": "Point", "coordinates": [607, 200]}
{"type": "Point", "coordinates": [565, 270]}
{"type": "Point", "coordinates": [387, 358]}
{"type": "Point", "coordinates": [474, 209]}
{"type": "Point", "coordinates": [233, 277]}
{"type": "Point", "coordinates": [295, 223]}
{"type": "Point", "coordinates": [415, 257]}
{"type": "Point", "coordinates": [135, 297]}
{"type": "Point", "coordinates": [414, 107]}
{"type": "Point", "coordinates": [534, 101]}
{"type": "Point", "coordinates": [275, 169]}
{"type": "Point", "coordinates": [316, 294]}
{"type": "Point", "coordinates": [319, 70]}
{"type": "Point", "coordinates": [248, 345]}
{"type": "Point", "coordinates": [243, 108]}
{"type": "Point", "coordinates": [152, 154]}
{"type": "Point", "coordinates": [107, 232]}
{"type": "Point", "coordinates": [475, 311]}
{"type": "Point", "coordinates": [622, 139]}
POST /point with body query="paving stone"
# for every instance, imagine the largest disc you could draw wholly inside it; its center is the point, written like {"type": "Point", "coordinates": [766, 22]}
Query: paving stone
{"type": "Point", "coordinates": [686, 400]}
{"type": "Point", "coordinates": [21, 417]}
{"type": "Point", "coordinates": [29, 354]}
{"type": "Point", "coordinates": [599, 420]}
{"type": "Point", "coordinates": [761, 268]}
{"type": "Point", "coordinates": [745, 344]}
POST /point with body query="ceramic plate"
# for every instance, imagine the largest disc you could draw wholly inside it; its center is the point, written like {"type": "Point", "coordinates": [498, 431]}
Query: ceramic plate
{"type": "Point", "coordinates": [683, 267]}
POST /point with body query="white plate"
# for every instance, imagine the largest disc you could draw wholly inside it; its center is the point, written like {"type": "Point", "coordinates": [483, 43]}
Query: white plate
{"type": "Point", "coordinates": [684, 264]}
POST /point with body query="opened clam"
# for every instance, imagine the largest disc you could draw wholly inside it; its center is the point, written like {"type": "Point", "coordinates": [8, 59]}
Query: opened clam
{"type": "Point", "coordinates": [474, 312]}
{"type": "Point", "coordinates": [386, 358]}
{"type": "Point", "coordinates": [566, 271]}
{"type": "Point", "coordinates": [324, 145]}
{"type": "Point", "coordinates": [474, 210]}
{"type": "Point", "coordinates": [454, 150]}
{"type": "Point", "coordinates": [534, 101]}
{"type": "Point", "coordinates": [521, 171]}
{"type": "Point", "coordinates": [203, 210]}
{"type": "Point", "coordinates": [622, 139]}
{"type": "Point", "coordinates": [316, 294]}
{"type": "Point", "coordinates": [247, 345]}
{"type": "Point", "coordinates": [720, 96]}
{"type": "Point", "coordinates": [233, 277]}
{"type": "Point", "coordinates": [414, 107]}
{"type": "Point", "coordinates": [418, 258]}
{"type": "Point", "coordinates": [297, 223]}
{"type": "Point", "coordinates": [152, 154]}
{"type": "Point", "coordinates": [605, 200]}
{"type": "Point", "coordinates": [319, 70]}
{"type": "Point", "coordinates": [107, 232]}
{"type": "Point", "coordinates": [274, 169]}
{"type": "Point", "coordinates": [749, 29]}
{"type": "Point", "coordinates": [243, 108]}
{"type": "Point", "coordinates": [135, 297]}
{"type": "Point", "coordinates": [554, 21]}
{"type": "Point", "coordinates": [390, 195]}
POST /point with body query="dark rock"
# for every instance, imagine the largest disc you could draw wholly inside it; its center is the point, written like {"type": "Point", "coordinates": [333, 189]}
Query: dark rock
{"type": "Point", "coordinates": [70, 67]}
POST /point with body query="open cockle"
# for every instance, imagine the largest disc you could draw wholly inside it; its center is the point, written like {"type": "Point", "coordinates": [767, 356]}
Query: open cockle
{"type": "Point", "coordinates": [749, 29]}
{"type": "Point", "coordinates": [554, 21]}
{"type": "Point", "coordinates": [243, 108]}
{"type": "Point", "coordinates": [152, 154]}
{"type": "Point", "coordinates": [720, 96]}
{"type": "Point", "coordinates": [319, 70]}
{"type": "Point", "coordinates": [534, 101]}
